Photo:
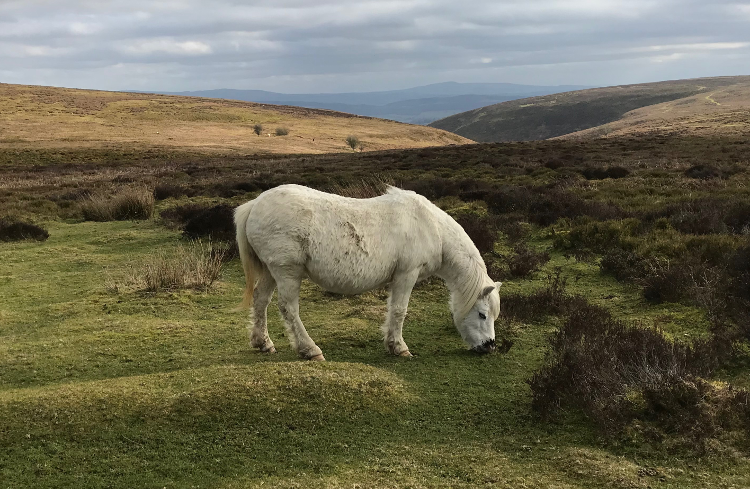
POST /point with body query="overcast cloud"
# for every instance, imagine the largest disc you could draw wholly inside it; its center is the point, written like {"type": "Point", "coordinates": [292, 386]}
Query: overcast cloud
{"type": "Point", "coordinates": [354, 45]}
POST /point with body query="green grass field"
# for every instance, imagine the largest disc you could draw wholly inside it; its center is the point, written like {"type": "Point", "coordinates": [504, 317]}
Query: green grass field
{"type": "Point", "coordinates": [100, 388]}
{"type": "Point", "coordinates": [136, 390]}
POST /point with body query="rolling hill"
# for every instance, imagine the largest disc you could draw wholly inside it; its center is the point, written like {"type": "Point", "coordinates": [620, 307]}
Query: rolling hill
{"type": "Point", "coordinates": [48, 117]}
{"type": "Point", "coordinates": [682, 106]}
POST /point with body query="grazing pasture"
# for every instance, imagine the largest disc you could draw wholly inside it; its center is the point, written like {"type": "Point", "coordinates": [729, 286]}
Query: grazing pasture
{"type": "Point", "coordinates": [105, 383]}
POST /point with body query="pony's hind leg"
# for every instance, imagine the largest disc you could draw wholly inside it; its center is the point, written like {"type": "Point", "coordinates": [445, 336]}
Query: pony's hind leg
{"type": "Point", "coordinates": [398, 302]}
{"type": "Point", "coordinates": [261, 298]}
{"type": "Point", "coordinates": [289, 308]}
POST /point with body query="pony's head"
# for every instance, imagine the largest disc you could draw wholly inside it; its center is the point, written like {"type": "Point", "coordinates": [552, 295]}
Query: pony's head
{"type": "Point", "coordinates": [477, 327]}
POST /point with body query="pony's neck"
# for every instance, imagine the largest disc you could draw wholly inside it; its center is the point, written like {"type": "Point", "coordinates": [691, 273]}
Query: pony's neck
{"type": "Point", "coordinates": [463, 271]}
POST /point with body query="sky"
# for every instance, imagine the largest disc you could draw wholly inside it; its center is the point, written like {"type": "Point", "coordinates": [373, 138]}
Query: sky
{"type": "Point", "coordinates": [301, 46]}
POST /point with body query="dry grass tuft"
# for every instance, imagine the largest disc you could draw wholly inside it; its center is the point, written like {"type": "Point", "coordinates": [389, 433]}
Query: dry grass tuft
{"type": "Point", "coordinates": [194, 266]}
{"type": "Point", "coordinates": [131, 204]}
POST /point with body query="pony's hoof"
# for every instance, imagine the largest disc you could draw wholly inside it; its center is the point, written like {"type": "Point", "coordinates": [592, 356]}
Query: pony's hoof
{"type": "Point", "coordinates": [405, 353]}
{"type": "Point", "coordinates": [318, 358]}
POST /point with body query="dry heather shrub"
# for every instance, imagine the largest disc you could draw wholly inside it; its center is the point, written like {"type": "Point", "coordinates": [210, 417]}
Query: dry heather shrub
{"type": "Point", "coordinates": [632, 381]}
{"type": "Point", "coordinates": [130, 204]}
{"type": "Point", "coordinates": [194, 266]}
{"type": "Point", "coordinates": [524, 261]}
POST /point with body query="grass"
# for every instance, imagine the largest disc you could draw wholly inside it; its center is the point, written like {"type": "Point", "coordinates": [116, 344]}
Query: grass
{"type": "Point", "coordinates": [121, 390]}
{"type": "Point", "coordinates": [127, 388]}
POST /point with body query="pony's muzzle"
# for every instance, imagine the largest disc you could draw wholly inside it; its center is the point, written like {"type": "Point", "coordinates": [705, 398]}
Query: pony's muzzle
{"type": "Point", "coordinates": [486, 347]}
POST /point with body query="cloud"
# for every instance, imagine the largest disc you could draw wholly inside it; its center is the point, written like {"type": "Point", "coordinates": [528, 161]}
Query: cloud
{"type": "Point", "coordinates": [170, 46]}
{"type": "Point", "coordinates": [334, 45]}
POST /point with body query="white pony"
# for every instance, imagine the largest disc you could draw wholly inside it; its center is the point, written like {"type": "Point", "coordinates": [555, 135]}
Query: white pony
{"type": "Point", "coordinates": [350, 246]}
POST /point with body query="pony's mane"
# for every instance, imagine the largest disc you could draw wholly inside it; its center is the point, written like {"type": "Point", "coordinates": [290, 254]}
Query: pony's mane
{"type": "Point", "coordinates": [466, 294]}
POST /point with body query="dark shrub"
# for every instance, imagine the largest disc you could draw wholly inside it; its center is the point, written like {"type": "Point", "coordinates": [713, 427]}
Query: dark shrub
{"type": "Point", "coordinates": [601, 365]}
{"type": "Point", "coordinates": [598, 237]}
{"type": "Point", "coordinates": [622, 264]}
{"type": "Point", "coordinates": [617, 172]}
{"type": "Point", "coordinates": [555, 203]}
{"type": "Point", "coordinates": [510, 198]}
{"type": "Point", "coordinates": [167, 190]}
{"type": "Point", "coordinates": [16, 230]}
{"type": "Point", "coordinates": [434, 188]}
{"type": "Point", "coordinates": [737, 218]}
{"type": "Point", "coordinates": [524, 261]}
{"type": "Point", "coordinates": [592, 173]}
{"type": "Point", "coordinates": [197, 221]}
{"type": "Point", "coordinates": [282, 131]}
{"type": "Point", "coordinates": [664, 283]}
{"type": "Point", "coordinates": [703, 172]}
{"type": "Point", "coordinates": [551, 299]}
{"type": "Point", "coordinates": [554, 163]}
{"type": "Point", "coordinates": [482, 230]}
{"type": "Point", "coordinates": [470, 189]}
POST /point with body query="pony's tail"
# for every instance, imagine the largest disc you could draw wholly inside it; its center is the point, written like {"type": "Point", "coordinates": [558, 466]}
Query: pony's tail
{"type": "Point", "coordinates": [252, 266]}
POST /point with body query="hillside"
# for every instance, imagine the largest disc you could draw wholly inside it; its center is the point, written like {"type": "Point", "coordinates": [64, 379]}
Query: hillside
{"type": "Point", "coordinates": [47, 117]}
{"type": "Point", "coordinates": [723, 111]}
{"type": "Point", "coordinates": [565, 113]}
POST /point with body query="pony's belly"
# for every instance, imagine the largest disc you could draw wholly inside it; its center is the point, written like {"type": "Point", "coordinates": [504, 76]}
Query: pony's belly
{"type": "Point", "coordinates": [352, 282]}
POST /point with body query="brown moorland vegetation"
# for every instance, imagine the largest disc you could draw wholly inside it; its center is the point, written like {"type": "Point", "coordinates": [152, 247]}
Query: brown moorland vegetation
{"type": "Point", "coordinates": [49, 117]}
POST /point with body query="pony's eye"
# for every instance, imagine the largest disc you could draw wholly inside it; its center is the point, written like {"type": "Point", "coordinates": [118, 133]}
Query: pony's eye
{"type": "Point", "coordinates": [482, 316]}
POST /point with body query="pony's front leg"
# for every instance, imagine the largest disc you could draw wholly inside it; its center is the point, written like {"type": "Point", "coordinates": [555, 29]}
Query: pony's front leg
{"type": "Point", "coordinates": [261, 298]}
{"type": "Point", "coordinates": [398, 302]}
{"type": "Point", "coordinates": [289, 307]}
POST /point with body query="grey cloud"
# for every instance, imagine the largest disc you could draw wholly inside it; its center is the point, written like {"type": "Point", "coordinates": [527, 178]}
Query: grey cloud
{"type": "Point", "coordinates": [344, 45]}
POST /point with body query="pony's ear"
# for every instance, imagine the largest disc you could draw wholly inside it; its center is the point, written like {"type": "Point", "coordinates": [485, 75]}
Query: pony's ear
{"type": "Point", "coordinates": [486, 291]}
{"type": "Point", "coordinates": [498, 285]}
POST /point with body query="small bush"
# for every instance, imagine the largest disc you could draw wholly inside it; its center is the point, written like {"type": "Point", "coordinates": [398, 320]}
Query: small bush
{"type": "Point", "coordinates": [167, 190]}
{"type": "Point", "coordinates": [16, 230]}
{"type": "Point", "coordinates": [282, 131]}
{"type": "Point", "coordinates": [132, 204]}
{"type": "Point", "coordinates": [524, 261]}
{"type": "Point", "coordinates": [703, 172]}
{"type": "Point", "coordinates": [258, 129]}
{"type": "Point", "coordinates": [613, 172]}
{"type": "Point", "coordinates": [352, 141]}
{"type": "Point", "coordinates": [624, 265]}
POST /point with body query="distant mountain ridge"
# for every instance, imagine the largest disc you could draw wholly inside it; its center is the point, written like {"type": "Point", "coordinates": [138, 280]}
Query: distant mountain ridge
{"type": "Point", "coordinates": [598, 111]}
{"type": "Point", "coordinates": [417, 105]}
